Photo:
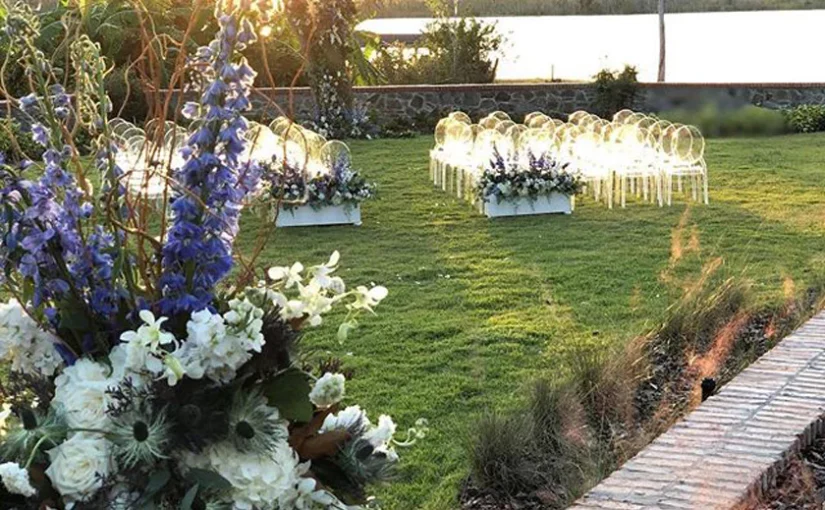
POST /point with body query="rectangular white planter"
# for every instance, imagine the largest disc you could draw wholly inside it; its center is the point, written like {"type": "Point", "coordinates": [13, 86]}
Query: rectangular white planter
{"type": "Point", "coordinates": [554, 203]}
{"type": "Point", "coordinates": [306, 216]}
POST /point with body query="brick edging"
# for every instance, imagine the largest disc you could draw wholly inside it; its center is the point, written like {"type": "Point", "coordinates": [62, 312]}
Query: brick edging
{"type": "Point", "coordinates": [732, 447]}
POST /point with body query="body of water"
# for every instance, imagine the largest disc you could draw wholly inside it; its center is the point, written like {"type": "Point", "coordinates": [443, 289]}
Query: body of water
{"type": "Point", "coordinates": [748, 47]}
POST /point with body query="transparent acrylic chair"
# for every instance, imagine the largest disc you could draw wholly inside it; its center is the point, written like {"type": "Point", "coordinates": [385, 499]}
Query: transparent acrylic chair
{"type": "Point", "coordinates": [688, 161]}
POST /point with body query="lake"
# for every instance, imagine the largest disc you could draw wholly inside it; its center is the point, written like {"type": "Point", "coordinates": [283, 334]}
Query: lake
{"type": "Point", "coordinates": [747, 47]}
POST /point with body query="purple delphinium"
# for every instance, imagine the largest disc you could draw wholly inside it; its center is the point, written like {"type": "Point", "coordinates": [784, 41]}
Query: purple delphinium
{"type": "Point", "coordinates": [213, 181]}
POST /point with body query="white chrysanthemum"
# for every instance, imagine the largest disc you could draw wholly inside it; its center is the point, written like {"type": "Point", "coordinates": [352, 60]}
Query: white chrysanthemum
{"type": "Point", "coordinates": [260, 481]}
{"type": "Point", "coordinates": [16, 479]}
{"type": "Point", "coordinates": [79, 466]}
{"type": "Point", "coordinates": [29, 349]}
{"type": "Point", "coordinates": [328, 390]}
{"type": "Point", "coordinates": [82, 391]}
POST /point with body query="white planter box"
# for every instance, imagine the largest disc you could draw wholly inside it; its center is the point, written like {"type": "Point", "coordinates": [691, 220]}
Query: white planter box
{"type": "Point", "coordinates": [554, 203]}
{"type": "Point", "coordinates": [306, 216]}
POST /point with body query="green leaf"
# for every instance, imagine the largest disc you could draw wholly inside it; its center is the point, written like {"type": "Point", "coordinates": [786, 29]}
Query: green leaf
{"type": "Point", "coordinates": [73, 316]}
{"type": "Point", "coordinates": [157, 481]}
{"type": "Point", "coordinates": [208, 479]}
{"type": "Point", "coordinates": [289, 392]}
{"type": "Point", "coordinates": [189, 498]}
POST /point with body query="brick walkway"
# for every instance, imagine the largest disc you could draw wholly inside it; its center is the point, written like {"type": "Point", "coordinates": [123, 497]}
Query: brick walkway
{"type": "Point", "coordinates": [732, 446]}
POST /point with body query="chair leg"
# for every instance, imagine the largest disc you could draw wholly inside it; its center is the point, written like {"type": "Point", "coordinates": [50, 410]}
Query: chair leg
{"type": "Point", "coordinates": [705, 186]}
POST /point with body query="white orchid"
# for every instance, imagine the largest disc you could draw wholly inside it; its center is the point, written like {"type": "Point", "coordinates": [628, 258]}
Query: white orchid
{"type": "Point", "coordinates": [287, 276]}
{"type": "Point", "coordinates": [368, 298]}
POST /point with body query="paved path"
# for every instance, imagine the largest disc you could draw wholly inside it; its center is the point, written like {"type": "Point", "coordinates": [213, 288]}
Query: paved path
{"type": "Point", "coordinates": [731, 447]}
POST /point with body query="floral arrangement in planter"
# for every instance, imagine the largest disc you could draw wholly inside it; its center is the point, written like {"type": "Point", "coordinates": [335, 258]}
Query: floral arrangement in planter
{"type": "Point", "coordinates": [138, 375]}
{"type": "Point", "coordinates": [506, 179]}
{"type": "Point", "coordinates": [342, 185]}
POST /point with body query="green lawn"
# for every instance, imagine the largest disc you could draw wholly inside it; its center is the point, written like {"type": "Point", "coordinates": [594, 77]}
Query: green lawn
{"type": "Point", "coordinates": [477, 307]}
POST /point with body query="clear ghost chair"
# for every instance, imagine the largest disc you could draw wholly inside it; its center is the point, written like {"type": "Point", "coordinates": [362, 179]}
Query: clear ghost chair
{"type": "Point", "coordinates": [503, 126]}
{"type": "Point", "coordinates": [437, 154]}
{"type": "Point", "coordinates": [538, 121]}
{"type": "Point", "coordinates": [500, 116]}
{"type": "Point", "coordinates": [263, 145]}
{"type": "Point", "coordinates": [458, 147]}
{"type": "Point", "coordinates": [688, 160]}
{"type": "Point", "coordinates": [635, 168]}
{"type": "Point", "coordinates": [620, 117]}
{"type": "Point", "coordinates": [335, 155]}
{"type": "Point", "coordinates": [280, 125]}
{"type": "Point", "coordinates": [489, 122]}
{"type": "Point", "coordinates": [460, 117]}
{"type": "Point", "coordinates": [577, 116]}
{"type": "Point", "coordinates": [530, 116]}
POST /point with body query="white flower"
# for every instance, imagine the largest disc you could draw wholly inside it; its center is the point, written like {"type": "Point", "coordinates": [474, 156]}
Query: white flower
{"type": "Point", "coordinates": [16, 479]}
{"type": "Point", "coordinates": [288, 275]}
{"type": "Point", "coordinates": [29, 349]}
{"type": "Point", "coordinates": [381, 435]}
{"type": "Point", "coordinates": [82, 391]}
{"type": "Point", "coordinates": [328, 390]}
{"type": "Point", "coordinates": [143, 348]}
{"type": "Point", "coordinates": [367, 299]}
{"type": "Point", "coordinates": [259, 481]}
{"type": "Point", "coordinates": [79, 466]}
{"type": "Point", "coordinates": [4, 415]}
{"type": "Point", "coordinates": [305, 496]}
{"type": "Point", "coordinates": [217, 346]}
{"type": "Point", "coordinates": [321, 275]}
{"type": "Point", "coordinates": [350, 418]}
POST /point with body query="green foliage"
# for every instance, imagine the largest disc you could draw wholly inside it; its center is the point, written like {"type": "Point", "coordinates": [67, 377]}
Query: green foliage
{"type": "Point", "coordinates": [418, 8]}
{"type": "Point", "coordinates": [450, 51]}
{"type": "Point", "coordinates": [616, 90]}
{"type": "Point", "coordinates": [807, 118]}
{"type": "Point", "coordinates": [14, 139]}
{"type": "Point", "coordinates": [746, 121]}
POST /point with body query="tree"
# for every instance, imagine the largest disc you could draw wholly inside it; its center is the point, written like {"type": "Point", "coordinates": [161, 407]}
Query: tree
{"type": "Point", "coordinates": [662, 40]}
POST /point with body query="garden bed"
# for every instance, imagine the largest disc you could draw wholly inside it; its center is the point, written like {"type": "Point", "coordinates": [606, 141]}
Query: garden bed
{"type": "Point", "coordinates": [308, 216]}
{"type": "Point", "coordinates": [554, 203]}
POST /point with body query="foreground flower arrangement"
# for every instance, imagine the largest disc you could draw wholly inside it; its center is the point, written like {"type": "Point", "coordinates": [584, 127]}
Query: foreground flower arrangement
{"type": "Point", "coordinates": [139, 376]}
{"type": "Point", "coordinates": [506, 179]}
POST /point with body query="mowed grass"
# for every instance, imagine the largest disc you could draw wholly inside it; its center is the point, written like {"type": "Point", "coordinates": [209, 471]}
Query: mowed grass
{"type": "Point", "coordinates": [478, 307]}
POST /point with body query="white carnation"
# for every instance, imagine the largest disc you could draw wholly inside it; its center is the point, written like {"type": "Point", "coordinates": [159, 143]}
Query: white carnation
{"type": "Point", "coordinates": [350, 418]}
{"type": "Point", "coordinates": [82, 391]}
{"type": "Point", "coordinates": [79, 466]}
{"type": "Point", "coordinates": [29, 349]}
{"type": "Point", "coordinates": [328, 390]}
{"type": "Point", "coordinates": [16, 479]}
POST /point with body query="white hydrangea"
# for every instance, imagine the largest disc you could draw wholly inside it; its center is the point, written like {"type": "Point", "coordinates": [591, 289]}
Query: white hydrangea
{"type": "Point", "coordinates": [29, 349]}
{"type": "Point", "coordinates": [217, 346]}
{"type": "Point", "coordinates": [81, 390]}
{"type": "Point", "coordinates": [79, 466]}
{"type": "Point", "coordinates": [16, 479]}
{"type": "Point", "coordinates": [328, 390]}
{"type": "Point", "coordinates": [259, 481]}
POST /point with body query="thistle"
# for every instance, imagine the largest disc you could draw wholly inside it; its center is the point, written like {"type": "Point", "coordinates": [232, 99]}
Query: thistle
{"type": "Point", "coordinates": [253, 425]}
{"type": "Point", "coordinates": [140, 436]}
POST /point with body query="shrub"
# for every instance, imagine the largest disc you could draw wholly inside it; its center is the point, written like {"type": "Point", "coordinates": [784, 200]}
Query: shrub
{"type": "Point", "coordinates": [807, 118]}
{"type": "Point", "coordinates": [746, 121]}
{"type": "Point", "coordinates": [615, 90]}
{"type": "Point", "coordinates": [450, 51]}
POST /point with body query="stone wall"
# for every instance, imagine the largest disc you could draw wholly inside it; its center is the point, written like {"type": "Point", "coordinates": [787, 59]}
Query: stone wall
{"type": "Point", "coordinates": [562, 98]}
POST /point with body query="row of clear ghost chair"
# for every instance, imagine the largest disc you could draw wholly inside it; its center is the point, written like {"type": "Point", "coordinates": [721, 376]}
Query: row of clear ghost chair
{"type": "Point", "coordinates": [631, 153]}
{"type": "Point", "coordinates": [149, 155]}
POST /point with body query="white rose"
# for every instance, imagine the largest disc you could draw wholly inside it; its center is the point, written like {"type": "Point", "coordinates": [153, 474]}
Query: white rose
{"type": "Point", "coordinates": [328, 390]}
{"type": "Point", "coordinates": [16, 479]}
{"type": "Point", "coordinates": [82, 390]}
{"type": "Point", "coordinates": [79, 466]}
